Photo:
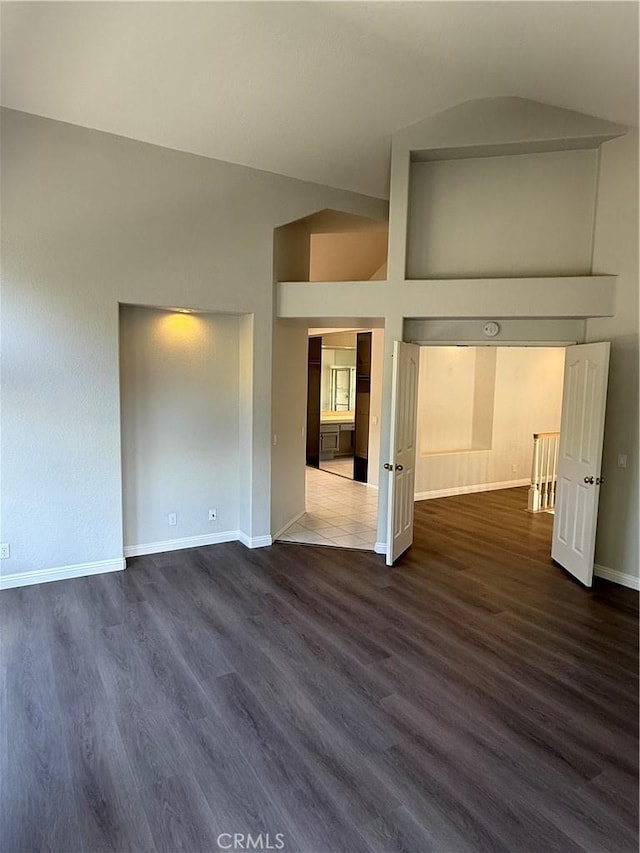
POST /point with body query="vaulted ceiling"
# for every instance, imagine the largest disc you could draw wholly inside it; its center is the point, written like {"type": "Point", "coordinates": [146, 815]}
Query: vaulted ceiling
{"type": "Point", "coordinates": [313, 90]}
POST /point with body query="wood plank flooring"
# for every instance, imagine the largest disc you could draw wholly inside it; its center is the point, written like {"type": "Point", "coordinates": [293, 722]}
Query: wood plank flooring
{"type": "Point", "coordinates": [474, 698]}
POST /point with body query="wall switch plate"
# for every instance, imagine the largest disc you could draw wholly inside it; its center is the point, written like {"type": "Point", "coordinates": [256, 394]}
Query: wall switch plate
{"type": "Point", "coordinates": [173, 518]}
{"type": "Point", "coordinates": [622, 460]}
{"type": "Point", "coordinates": [275, 440]}
{"type": "Point", "coordinates": [5, 551]}
{"type": "Point", "coordinates": [213, 514]}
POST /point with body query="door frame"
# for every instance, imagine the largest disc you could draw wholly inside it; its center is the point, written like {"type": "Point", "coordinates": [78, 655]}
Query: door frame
{"type": "Point", "coordinates": [471, 343]}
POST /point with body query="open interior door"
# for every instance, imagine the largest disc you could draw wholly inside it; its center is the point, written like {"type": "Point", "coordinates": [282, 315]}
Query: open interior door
{"type": "Point", "coordinates": [402, 455]}
{"type": "Point", "coordinates": [586, 373]}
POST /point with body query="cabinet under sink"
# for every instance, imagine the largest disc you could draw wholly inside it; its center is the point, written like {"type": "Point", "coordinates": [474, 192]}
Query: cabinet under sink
{"type": "Point", "coordinates": [336, 438]}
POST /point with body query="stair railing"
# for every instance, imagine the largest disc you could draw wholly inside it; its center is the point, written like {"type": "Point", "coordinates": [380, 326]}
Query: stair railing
{"type": "Point", "coordinates": [544, 468]}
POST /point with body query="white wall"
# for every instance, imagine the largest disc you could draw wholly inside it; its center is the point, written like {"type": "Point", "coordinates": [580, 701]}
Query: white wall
{"type": "Point", "coordinates": [179, 404]}
{"type": "Point", "coordinates": [525, 214]}
{"type": "Point", "coordinates": [616, 250]}
{"type": "Point", "coordinates": [445, 398]}
{"type": "Point", "coordinates": [527, 398]}
{"type": "Point", "coordinates": [90, 220]}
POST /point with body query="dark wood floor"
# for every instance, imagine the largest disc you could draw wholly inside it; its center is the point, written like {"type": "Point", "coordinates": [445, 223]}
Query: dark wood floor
{"type": "Point", "coordinates": [474, 698]}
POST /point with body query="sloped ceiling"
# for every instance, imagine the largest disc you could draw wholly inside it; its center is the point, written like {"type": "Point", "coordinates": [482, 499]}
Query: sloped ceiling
{"type": "Point", "coordinates": [311, 90]}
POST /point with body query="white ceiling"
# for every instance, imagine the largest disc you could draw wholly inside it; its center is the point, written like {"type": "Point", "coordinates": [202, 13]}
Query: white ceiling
{"type": "Point", "coordinates": [314, 89]}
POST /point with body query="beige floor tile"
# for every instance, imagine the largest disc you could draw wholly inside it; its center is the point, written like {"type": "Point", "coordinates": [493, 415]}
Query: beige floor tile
{"type": "Point", "coordinates": [330, 532]}
{"type": "Point", "coordinates": [310, 537]}
{"type": "Point", "coordinates": [350, 541]}
{"type": "Point", "coordinates": [356, 527]}
{"type": "Point", "coordinates": [340, 513]}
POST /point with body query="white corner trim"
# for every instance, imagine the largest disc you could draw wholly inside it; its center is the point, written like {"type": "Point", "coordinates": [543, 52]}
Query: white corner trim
{"type": "Point", "coordinates": [623, 578]}
{"type": "Point", "coordinates": [180, 544]}
{"type": "Point", "coordinates": [254, 541]}
{"type": "Point", "coordinates": [287, 525]}
{"type": "Point", "coordinates": [468, 490]}
{"type": "Point", "coordinates": [80, 570]}
{"type": "Point", "coordinates": [380, 547]}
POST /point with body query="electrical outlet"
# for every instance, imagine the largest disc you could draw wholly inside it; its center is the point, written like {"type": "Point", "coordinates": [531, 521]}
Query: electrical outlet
{"type": "Point", "coordinates": [173, 519]}
{"type": "Point", "coordinates": [5, 551]}
{"type": "Point", "coordinates": [213, 514]}
{"type": "Point", "coordinates": [514, 468]}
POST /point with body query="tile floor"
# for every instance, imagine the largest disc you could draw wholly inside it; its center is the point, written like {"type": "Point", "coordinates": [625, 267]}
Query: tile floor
{"type": "Point", "coordinates": [340, 513]}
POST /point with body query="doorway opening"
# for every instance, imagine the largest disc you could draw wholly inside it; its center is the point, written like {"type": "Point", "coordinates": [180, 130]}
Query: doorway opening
{"type": "Point", "coordinates": [343, 400]}
{"type": "Point", "coordinates": [339, 409]}
{"type": "Point", "coordinates": [478, 409]}
{"type": "Point", "coordinates": [340, 425]}
{"type": "Point", "coordinates": [578, 475]}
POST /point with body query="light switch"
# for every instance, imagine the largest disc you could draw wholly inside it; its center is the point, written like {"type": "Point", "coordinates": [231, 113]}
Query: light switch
{"type": "Point", "coordinates": [622, 460]}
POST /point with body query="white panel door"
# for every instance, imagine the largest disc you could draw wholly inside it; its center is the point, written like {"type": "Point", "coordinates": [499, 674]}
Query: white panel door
{"type": "Point", "coordinates": [402, 457]}
{"type": "Point", "coordinates": [586, 373]}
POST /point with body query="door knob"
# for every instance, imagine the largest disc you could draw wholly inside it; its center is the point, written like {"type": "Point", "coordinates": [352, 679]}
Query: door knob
{"type": "Point", "coordinates": [599, 480]}
{"type": "Point", "coordinates": [388, 466]}
{"type": "Point", "coordinates": [588, 480]}
{"type": "Point", "coordinates": [399, 468]}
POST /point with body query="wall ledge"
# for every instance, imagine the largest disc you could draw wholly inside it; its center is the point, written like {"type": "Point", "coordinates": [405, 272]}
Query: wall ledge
{"type": "Point", "coordinates": [623, 578]}
{"type": "Point", "coordinates": [79, 570]}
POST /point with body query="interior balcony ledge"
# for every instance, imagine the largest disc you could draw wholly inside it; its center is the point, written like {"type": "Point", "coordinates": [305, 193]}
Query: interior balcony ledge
{"type": "Point", "coordinates": [578, 297]}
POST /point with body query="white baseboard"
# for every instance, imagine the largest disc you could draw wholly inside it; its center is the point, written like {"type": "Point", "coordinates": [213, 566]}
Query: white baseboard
{"type": "Point", "coordinates": [380, 547]}
{"type": "Point", "coordinates": [287, 525]}
{"type": "Point", "coordinates": [468, 490]}
{"type": "Point", "coordinates": [254, 541]}
{"type": "Point", "coordinates": [623, 578]}
{"type": "Point", "coordinates": [80, 570]}
{"type": "Point", "coordinates": [180, 544]}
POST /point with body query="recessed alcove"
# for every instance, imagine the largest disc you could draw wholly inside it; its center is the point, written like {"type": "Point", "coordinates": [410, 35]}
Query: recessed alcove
{"type": "Point", "coordinates": [524, 214]}
{"type": "Point", "coordinates": [331, 246]}
{"type": "Point", "coordinates": [457, 390]}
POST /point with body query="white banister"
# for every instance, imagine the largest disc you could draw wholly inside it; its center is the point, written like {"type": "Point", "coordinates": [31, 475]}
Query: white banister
{"type": "Point", "coordinates": [544, 467]}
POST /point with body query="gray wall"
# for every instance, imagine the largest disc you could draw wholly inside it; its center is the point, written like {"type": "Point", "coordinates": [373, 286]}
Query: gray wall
{"type": "Point", "coordinates": [525, 214]}
{"type": "Point", "coordinates": [616, 250]}
{"type": "Point", "coordinates": [90, 220]}
{"type": "Point", "coordinates": [179, 380]}
{"type": "Point", "coordinates": [289, 422]}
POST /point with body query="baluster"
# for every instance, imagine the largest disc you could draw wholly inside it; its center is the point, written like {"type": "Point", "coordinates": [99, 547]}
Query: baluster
{"type": "Point", "coordinates": [545, 472]}
{"type": "Point", "coordinates": [554, 471]}
{"type": "Point", "coordinates": [544, 468]}
{"type": "Point", "coordinates": [534, 488]}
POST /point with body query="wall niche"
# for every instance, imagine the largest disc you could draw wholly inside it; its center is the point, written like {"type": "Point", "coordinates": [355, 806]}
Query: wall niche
{"type": "Point", "coordinates": [515, 215]}
{"type": "Point", "coordinates": [456, 398]}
